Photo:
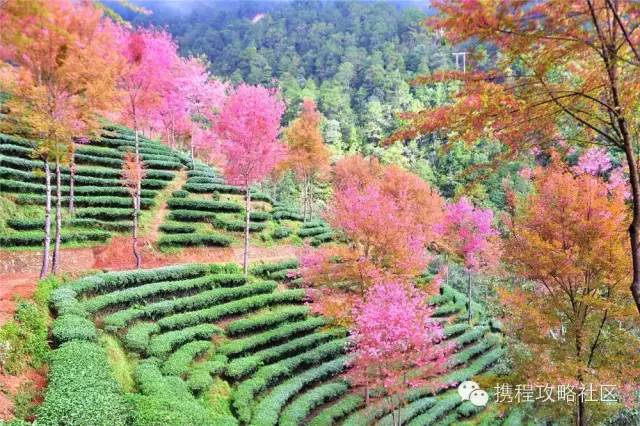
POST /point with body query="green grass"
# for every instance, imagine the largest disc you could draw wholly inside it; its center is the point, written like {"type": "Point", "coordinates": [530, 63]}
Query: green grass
{"type": "Point", "coordinates": [122, 365]}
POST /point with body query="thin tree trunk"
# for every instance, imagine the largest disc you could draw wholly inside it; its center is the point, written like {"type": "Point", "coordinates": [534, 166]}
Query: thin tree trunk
{"type": "Point", "coordinates": [469, 295]}
{"type": "Point", "coordinates": [634, 228]}
{"type": "Point", "coordinates": [245, 263]}
{"type": "Point", "coordinates": [72, 184]}
{"type": "Point", "coordinates": [44, 270]}
{"type": "Point", "coordinates": [136, 208]}
{"type": "Point", "coordinates": [192, 147]}
{"type": "Point", "coordinates": [581, 419]}
{"type": "Point", "coordinates": [58, 238]}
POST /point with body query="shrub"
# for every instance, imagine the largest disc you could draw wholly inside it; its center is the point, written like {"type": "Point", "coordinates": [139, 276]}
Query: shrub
{"type": "Point", "coordinates": [270, 337]}
{"type": "Point", "coordinates": [268, 409]}
{"type": "Point", "coordinates": [105, 213]}
{"type": "Point", "coordinates": [192, 216]}
{"type": "Point", "coordinates": [299, 409]}
{"type": "Point", "coordinates": [312, 232]}
{"type": "Point", "coordinates": [179, 194]}
{"type": "Point", "coordinates": [231, 308]}
{"type": "Point", "coordinates": [322, 238]}
{"type": "Point", "coordinates": [202, 299]}
{"type": "Point", "coordinates": [281, 232]}
{"type": "Point", "coordinates": [194, 240]}
{"type": "Point", "coordinates": [240, 367]}
{"type": "Point", "coordinates": [110, 281]}
{"type": "Point", "coordinates": [238, 225]}
{"type": "Point", "coordinates": [202, 188]}
{"type": "Point", "coordinates": [81, 389]}
{"type": "Point", "coordinates": [336, 411]}
{"type": "Point", "coordinates": [138, 336]}
{"type": "Point", "coordinates": [162, 344]}
{"type": "Point", "coordinates": [204, 205]}
{"type": "Point", "coordinates": [199, 377]}
{"type": "Point", "coordinates": [141, 293]}
{"type": "Point", "coordinates": [266, 319]}
{"type": "Point", "coordinates": [87, 201]}
{"type": "Point", "coordinates": [178, 362]}
{"type": "Point", "coordinates": [287, 215]}
{"type": "Point", "coordinates": [166, 400]}
{"type": "Point", "coordinates": [264, 269]}
{"type": "Point", "coordinates": [177, 228]}
{"type": "Point", "coordinates": [72, 327]}
{"type": "Point", "coordinates": [443, 405]}
{"type": "Point", "coordinates": [257, 216]}
{"type": "Point", "coordinates": [410, 411]}
{"type": "Point", "coordinates": [35, 238]}
{"type": "Point", "coordinates": [24, 339]}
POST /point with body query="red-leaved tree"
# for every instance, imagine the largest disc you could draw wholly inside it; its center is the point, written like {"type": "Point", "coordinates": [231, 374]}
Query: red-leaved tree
{"type": "Point", "coordinates": [248, 126]}
{"type": "Point", "coordinates": [396, 343]}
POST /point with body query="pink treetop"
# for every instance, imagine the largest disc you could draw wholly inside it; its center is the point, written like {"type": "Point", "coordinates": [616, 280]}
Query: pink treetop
{"type": "Point", "coordinates": [594, 161]}
{"type": "Point", "coordinates": [151, 56]}
{"type": "Point", "coordinates": [394, 334]}
{"type": "Point", "coordinates": [469, 233]}
{"type": "Point", "coordinates": [204, 95]}
{"type": "Point", "coordinates": [248, 128]}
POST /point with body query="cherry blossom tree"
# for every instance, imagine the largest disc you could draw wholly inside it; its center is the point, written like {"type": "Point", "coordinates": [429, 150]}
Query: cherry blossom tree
{"type": "Point", "coordinates": [396, 343]}
{"type": "Point", "coordinates": [146, 81]}
{"type": "Point", "coordinates": [132, 174]}
{"type": "Point", "coordinates": [468, 233]}
{"type": "Point", "coordinates": [248, 127]}
{"type": "Point", "coordinates": [62, 76]}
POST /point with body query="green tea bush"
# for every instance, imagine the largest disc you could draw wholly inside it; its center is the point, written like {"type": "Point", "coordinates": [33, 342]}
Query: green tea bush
{"type": "Point", "coordinates": [138, 336]}
{"type": "Point", "coordinates": [81, 389]}
{"type": "Point", "coordinates": [194, 240]}
{"type": "Point", "coordinates": [34, 238]}
{"type": "Point", "coordinates": [270, 337]}
{"type": "Point", "coordinates": [105, 213]}
{"type": "Point", "coordinates": [264, 269]}
{"type": "Point", "coordinates": [299, 409]}
{"type": "Point", "coordinates": [178, 362]}
{"type": "Point", "coordinates": [199, 376]}
{"type": "Point", "coordinates": [266, 319]}
{"type": "Point", "coordinates": [267, 411]}
{"type": "Point", "coordinates": [162, 344]}
{"type": "Point", "coordinates": [192, 216]}
{"type": "Point", "coordinates": [179, 194]}
{"type": "Point", "coordinates": [312, 232]}
{"type": "Point", "coordinates": [238, 225]}
{"type": "Point", "coordinates": [24, 338]}
{"type": "Point", "coordinates": [199, 300]}
{"type": "Point", "coordinates": [257, 216]}
{"type": "Point", "coordinates": [133, 295]}
{"type": "Point", "coordinates": [236, 307]}
{"type": "Point", "coordinates": [340, 409]}
{"type": "Point", "coordinates": [86, 201]}
{"type": "Point", "coordinates": [241, 367]}
{"type": "Point", "coordinates": [177, 228]}
{"type": "Point", "coordinates": [281, 232]}
{"type": "Point", "coordinates": [72, 327]}
{"type": "Point", "coordinates": [204, 205]}
{"type": "Point", "coordinates": [322, 238]}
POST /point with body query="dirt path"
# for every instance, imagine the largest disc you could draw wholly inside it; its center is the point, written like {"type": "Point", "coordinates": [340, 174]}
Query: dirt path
{"type": "Point", "coordinates": [161, 214]}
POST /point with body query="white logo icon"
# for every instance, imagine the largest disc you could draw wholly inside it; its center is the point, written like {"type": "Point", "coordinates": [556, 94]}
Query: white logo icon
{"type": "Point", "coordinates": [471, 391]}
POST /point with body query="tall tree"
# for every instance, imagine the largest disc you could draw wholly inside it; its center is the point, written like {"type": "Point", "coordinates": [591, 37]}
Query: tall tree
{"type": "Point", "coordinates": [65, 70]}
{"type": "Point", "coordinates": [308, 156]}
{"type": "Point", "coordinates": [132, 175]}
{"type": "Point", "coordinates": [387, 217]}
{"type": "Point", "coordinates": [146, 79]}
{"type": "Point", "coordinates": [468, 233]}
{"type": "Point", "coordinates": [396, 342]}
{"type": "Point", "coordinates": [561, 64]}
{"type": "Point", "coordinates": [248, 127]}
{"type": "Point", "coordinates": [569, 241]}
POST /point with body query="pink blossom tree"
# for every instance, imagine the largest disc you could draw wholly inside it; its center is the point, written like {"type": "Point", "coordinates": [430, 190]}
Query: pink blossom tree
{"type": "Point", "coordinates": [248, 127]}
{"type": "Point", "coordinates": [396, 342]}
{"type": "Point", "coordinates": [146, 79]}
{"type": "Point", "coordinates": [468, 232]}
{"type": "Point", "coordinates": [204, 98]}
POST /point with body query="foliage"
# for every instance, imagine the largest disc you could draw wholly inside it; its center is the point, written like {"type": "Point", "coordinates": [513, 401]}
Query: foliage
{"type": "Point", "coordinates": [394, 334]}
{"type": "Point", "coordinates": [72, 327]}
{"type": "Point", "coordinates": [569, 241]}
{"type": "Point", "coordinates": [81, 388]}
{"type": "Point", "coordinates": [24, 339]}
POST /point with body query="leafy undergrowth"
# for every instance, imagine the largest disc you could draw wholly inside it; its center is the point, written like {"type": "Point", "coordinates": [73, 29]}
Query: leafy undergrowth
{"type": "Point", "coordinates": [200, 344]}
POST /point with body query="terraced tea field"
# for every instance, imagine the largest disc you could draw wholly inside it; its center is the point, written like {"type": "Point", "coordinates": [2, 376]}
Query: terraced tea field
{"type": "Point", "coordinates": [203, 345]}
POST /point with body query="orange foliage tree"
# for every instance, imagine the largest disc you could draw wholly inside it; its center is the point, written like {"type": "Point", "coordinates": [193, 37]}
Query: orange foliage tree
{"type": "Point", "coordinates": [61, 75]}
{"type": "Point", "coordinates": [387, 218]}
{"type": "Point", "coordinates": [308, 156]}
{"type": "Point", "coordinates": [572, 315]}
{"type": "Point", "coordinates": [565, 70]}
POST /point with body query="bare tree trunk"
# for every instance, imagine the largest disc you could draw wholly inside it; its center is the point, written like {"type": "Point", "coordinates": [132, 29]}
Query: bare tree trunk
{"type": "Point", "coordinates": [634, 228]}
{"type": "Point", "coordinates": [192, 147]}
{"type": "Point", "coordinates": [44, 270]}
{"type": "Point", "coordinates": [581, 419]}
{"type": "Point", "coordinates": [58, 238]}
{"type": "Point", "coordinates": [469, 295]}
{"type": "Point", "coordinates": [245, 262]}
{"type": "Point", "coordinates": [72, 184]}
{"type": "Point", "coordinates": [136, 209]}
